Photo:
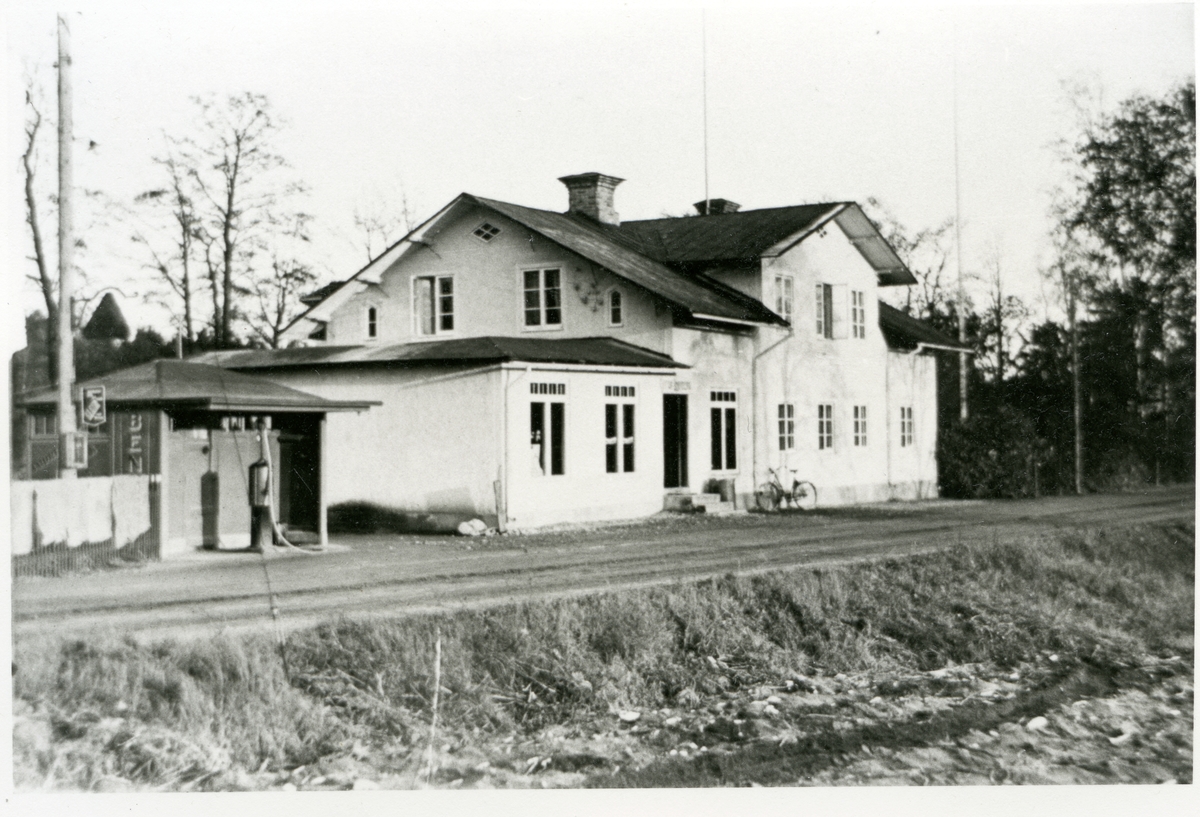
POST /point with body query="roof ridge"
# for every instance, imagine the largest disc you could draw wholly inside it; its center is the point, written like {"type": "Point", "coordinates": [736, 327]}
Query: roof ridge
{"type": "Point", "coordinates": [742, 212]}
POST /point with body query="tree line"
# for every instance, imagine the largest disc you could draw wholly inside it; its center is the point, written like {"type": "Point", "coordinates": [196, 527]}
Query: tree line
{"type": "Point", "coordinates": [1104, 396]}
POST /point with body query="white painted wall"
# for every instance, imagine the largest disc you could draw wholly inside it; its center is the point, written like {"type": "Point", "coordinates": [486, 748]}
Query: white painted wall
{"type": "Point", "coordinates": [806, 370]}
{"type": "Point", "coordinates": [431, 448]}
{"type": "Point", "coordinates": [585, 491]}
{"type": "Point", "coordinates": [489, 291]}
{"type": "Point", "coordinates": [435, 445]}
{"type": "Point", "coordinates": [719, 361]}
{"type": "Point", "coordinates": [912, 381]}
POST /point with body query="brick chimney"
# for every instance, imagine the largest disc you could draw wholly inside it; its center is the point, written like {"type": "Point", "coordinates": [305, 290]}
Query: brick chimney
{"type": "Point", "coordinates": [591, 195]}
{"type": "Point", "coordinates": [716, 207]}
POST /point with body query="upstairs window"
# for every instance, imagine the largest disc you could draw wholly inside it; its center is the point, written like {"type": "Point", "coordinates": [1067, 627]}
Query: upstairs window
{"type": "Point", "coordinates": [906, 426]}
{"type": "Point", "coordinates": [860, 425]}
{"type": "Point", "coordinates": [858, 314]}
{"type": "Point", "coordinates": [615, 313]}
{"type": "Point", "coordinates": [433, 304]}
{"type": "Point", "coordinates": [784, 297]}
{"type": "Point", "coordinates": [372, 322]}
{"type": "Point", "coordinates": [824, 426]}
{"type": "Point", "coordinates": [543, 297]}
{"type": "Point", "coordinates": [831, 311]}
{"type": "Point", "coordinates": [787, 426]}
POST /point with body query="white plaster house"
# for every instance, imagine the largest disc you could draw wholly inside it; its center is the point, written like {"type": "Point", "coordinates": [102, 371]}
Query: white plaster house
{"type": "Point", "coordinates": [536, 367]}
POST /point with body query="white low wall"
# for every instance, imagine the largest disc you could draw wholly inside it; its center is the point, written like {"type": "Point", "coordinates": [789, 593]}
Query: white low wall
{"type": "Point", "coordinates": [79, 511]}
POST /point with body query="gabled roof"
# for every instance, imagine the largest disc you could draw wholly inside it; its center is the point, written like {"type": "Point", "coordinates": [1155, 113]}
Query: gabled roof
{"type": "Point", "coordinates": [694, 242]}
{"type": "Point", "coordinates": [320, 294]}
{"type": "Point", "coordinates": [192, 385]}
{"type": "Point", "coordinates": [603, 245]}
{"type": "Point", "coordinates": [666, 257]}
{"type": "Point", "coordinates": [726, 237]}
{"type": "Point", "coordinates": [906, 332]}
{"type": "Point", "coordinates": [601, 351]}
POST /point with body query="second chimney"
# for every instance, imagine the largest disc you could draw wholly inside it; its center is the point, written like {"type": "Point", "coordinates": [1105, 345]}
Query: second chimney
{"type": "Point", "coordinates": [716, 207]}
{"type": "Point", "coordinates": [591, 195]}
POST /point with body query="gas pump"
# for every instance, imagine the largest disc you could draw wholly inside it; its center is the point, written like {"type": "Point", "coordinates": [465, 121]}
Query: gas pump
{"type": "Point", "coordinates": [259, 486]}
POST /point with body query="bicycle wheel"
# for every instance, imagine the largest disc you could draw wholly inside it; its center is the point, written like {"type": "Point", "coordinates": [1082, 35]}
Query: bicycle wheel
{"type": "Point", "coordinates": [768, 496]}
{"type": "Point", "coordinates": [804, 495]}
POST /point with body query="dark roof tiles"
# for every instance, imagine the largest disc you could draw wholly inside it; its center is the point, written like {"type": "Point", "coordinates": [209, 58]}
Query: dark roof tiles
{"type": "Point", "coordinates": [725, 237]}
{"type": "Point", "coordinates": [903, 331]}
{"type": "Point", "coordinates": [189, 384]}
{"type": "Point", "coordinates": [600, 351]}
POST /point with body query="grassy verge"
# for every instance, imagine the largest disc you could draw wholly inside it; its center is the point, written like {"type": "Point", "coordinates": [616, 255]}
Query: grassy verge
{"type": "Point", "coordinates": [587, 686]}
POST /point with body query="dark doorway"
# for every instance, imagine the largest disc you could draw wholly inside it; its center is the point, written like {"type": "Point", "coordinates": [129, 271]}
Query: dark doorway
{"type": "Point", "coordinates": [299, 480]}
{"type": "Point", "coordinates": [675, 441]}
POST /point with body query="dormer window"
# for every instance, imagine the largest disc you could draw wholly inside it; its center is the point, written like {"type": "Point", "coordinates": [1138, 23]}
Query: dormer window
{"type": "Point", "coordinates": [784, 297]}
{"type": "Point", "coordinates": [543, 298]}
{"type": "Point", "coordinates": [486, 232]}
{"type": "Point", "coordinates": [372, 322]}
{"type": "Point", "coordinates": [433, 304]}
{"type": "Point", "coordinates": [616, 313]}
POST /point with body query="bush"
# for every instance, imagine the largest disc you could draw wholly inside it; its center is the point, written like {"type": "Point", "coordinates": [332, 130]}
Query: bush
{"type": "Point", "coordinates": [991, 455]}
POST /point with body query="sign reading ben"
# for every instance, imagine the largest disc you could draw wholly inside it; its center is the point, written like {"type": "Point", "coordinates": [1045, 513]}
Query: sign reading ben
{"type": "Point", "coordinates": [135, 445]}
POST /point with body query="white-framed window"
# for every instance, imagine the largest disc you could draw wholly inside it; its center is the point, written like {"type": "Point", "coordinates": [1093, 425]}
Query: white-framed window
{"type": "Point", "coordinates": [547, 429]}
{"type": "Point", "coordinates": [543, 298]}
{"type": "Point", "coordinates": [860, 425]}
{"type": "Point", "coordinates": [831, 311]}
{"type": "Point", "coordinates": [433, 304]}
{"type": "Point", "coordinates": [906, 426]}
{"type": "Point", "coordinates": [723, 423]}
{"type": "Point", "coordinates": [372, 322]}
{"type": "Point", "coordinates": [619, 429]}
{"type": "Point", "coordinates": [486, 232]}
{"type": "Point", "coordinates": [785, 298]}
{"type": "Point", "coordinates": [858, 313]}
{"type": "Point", "coordinates": [787, 426]}
{"type": "Point", "coordinates": [824, 426]}
{"type": "Point", "coordinates": [616, 308]}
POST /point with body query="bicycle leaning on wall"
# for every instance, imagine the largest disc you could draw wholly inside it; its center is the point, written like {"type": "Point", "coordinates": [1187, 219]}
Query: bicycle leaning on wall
{"type": "Point", "coordinates": [776, 492]}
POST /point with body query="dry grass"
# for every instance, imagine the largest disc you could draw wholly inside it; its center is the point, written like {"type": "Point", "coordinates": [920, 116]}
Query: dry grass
{"type": "Point", "coordinates": [191, 714]}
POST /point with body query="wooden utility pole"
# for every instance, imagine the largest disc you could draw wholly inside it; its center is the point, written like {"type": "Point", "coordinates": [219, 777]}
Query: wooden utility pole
{"type": "Point", "coordinates": [66, 246]}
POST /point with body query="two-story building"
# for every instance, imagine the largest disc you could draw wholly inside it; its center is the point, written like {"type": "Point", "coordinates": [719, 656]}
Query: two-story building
{"type": "Point", "coordinates": [536, 367]}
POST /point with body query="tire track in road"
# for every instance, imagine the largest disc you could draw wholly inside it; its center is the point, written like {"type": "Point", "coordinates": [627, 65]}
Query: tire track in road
{"type": "Point", "coordinates": [202, 598]}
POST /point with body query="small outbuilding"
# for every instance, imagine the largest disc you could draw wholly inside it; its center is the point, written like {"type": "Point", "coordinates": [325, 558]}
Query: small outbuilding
{"type": "Point", "coordinates": [191, 430]}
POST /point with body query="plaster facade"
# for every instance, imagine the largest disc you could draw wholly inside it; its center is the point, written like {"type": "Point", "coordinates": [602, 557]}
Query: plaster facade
{"type": "Point", "coordinates": [822, 394]}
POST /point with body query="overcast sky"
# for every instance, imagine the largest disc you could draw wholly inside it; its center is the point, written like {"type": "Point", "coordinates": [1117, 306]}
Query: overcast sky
{"type": "Point", "coordinates": [805, 103]}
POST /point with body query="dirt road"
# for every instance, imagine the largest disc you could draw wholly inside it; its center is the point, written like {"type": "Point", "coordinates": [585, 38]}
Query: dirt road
{"type": "Point", "coordinates": [386, 575]}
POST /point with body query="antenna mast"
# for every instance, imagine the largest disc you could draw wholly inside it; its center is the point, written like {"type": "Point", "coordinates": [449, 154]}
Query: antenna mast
{"type": "Point", "coordinates": [963, 411]}
{"type": "Point", "coordinates": [704, 76]}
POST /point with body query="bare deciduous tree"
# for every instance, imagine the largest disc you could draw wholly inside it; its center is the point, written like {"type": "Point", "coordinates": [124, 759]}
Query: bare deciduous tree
{"type": "Point", "coordinates": [173, 262]}
{"type": "Point", "coordinates": [231, 160]}
{"type": "Point", "coordinates": [46, 284]}
{"type": "Point", "coordinates": [276, 291]}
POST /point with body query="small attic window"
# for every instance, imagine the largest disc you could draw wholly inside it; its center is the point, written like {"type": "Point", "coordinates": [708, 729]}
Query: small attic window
{"type": "Point", "coordinates": [486, 232]}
